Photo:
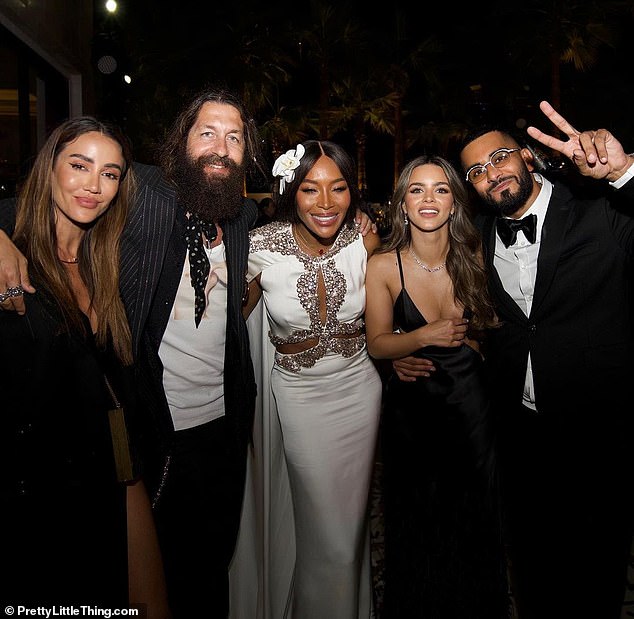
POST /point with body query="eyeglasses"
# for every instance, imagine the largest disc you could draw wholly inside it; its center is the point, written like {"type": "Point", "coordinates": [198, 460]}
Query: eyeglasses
{"type": "Point", "coordinates": [498, 159]}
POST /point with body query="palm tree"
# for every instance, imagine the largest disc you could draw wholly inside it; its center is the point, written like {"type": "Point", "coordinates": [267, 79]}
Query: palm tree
{"type": "Point", "coordinates": [562, 32]}
{"type": "Point", "coordinates": [365, 103]}
{"type": "Point", "coordinates": [331, 35]}
{"type": "Point", "coordinates": [259, 63]}
{"type": "Point", "coordinates": [410, 59]}
{"type": "Point", "coordinates": [286, 127]}
{"type": "Point", "coordinates": [243, 53]}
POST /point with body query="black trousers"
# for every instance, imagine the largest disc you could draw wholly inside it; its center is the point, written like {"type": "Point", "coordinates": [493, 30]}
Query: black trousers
{"type": "Point", "coordinates": [198, 516]}
{"type": "Point", "coordinates": [569, 519]}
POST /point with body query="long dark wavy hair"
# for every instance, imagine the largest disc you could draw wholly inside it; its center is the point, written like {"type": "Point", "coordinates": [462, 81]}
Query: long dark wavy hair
{"type": "Point", "coordinates": [286, 208]}
{"type": "Point", "coordinates": [175, 143]}
{"type": "Point", "coordinates": [464, 258]}
{"type": "Point", "coordinates": [35, 236]}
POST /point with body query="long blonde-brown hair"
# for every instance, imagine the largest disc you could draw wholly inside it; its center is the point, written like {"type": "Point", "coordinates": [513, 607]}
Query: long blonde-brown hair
{"type": "Point", "coordinates": [464, 258]}
{"type": "Point", "coordinates": [35, 236]}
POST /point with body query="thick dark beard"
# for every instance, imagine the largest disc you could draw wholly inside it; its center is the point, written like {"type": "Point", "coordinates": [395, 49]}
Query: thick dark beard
{"type": "Point", "coordinates": [509, 203]}
{"type": "Point", "coordinates": [212, 199]}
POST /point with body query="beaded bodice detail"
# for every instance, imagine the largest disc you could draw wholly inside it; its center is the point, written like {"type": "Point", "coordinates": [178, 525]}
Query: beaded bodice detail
{"type": "Point", "coordinates": [295, 274]}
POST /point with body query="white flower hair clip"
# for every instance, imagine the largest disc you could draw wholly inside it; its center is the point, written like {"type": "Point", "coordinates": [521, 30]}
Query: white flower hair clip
{"type": "Point", "coordinates": [286, 164]}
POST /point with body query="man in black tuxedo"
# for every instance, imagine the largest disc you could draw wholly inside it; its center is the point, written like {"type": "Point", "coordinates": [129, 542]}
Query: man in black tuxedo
{"type": "Point", "coordinates": [182, 278]}
{"type": "Point", "coordinates": [560, 365]}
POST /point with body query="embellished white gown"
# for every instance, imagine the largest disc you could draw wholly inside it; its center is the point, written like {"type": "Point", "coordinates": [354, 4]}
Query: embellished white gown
{"type": "Point", "coordinates": [304, 549]}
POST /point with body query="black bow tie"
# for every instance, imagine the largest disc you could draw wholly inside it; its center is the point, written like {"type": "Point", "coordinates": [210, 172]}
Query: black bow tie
{"type": "Point", "coordinates": [508, 228]}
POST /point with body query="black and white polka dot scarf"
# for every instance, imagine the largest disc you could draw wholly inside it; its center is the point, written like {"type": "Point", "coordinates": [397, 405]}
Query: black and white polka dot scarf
{"type": "Point", "coordinates": [198, 261]}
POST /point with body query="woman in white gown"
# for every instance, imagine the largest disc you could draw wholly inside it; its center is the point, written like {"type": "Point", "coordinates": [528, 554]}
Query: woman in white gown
{"type": "Point", "coordinates": [309, 269]}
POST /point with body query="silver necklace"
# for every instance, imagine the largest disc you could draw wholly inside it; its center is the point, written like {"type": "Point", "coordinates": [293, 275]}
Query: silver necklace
{"type": "Point", "coordinates": [424, 266]}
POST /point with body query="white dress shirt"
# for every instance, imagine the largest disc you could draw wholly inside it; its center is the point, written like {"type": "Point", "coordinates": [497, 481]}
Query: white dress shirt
{"type": "Point", "coordinates": [517, 268]}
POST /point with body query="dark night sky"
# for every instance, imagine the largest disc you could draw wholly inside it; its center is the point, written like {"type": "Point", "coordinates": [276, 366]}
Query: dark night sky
{"type": "Point", "coordinates": [183, 42]}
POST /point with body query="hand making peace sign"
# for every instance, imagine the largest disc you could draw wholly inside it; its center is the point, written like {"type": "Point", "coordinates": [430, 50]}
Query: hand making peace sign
{"type": "Point", "coordinates": [596, 153]}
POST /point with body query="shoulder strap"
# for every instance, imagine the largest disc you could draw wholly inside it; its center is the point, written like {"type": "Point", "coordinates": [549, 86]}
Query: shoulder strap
{"type": "Point", "coordinates": [400, 268]}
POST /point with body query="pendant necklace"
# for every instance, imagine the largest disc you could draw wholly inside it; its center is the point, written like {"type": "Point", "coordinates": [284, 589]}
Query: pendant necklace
{"type": "Point", "coordinates": [73, 261]}
{"type": "Point", "coordinates": [424, 266]}
{"type": "Point", "coordinates": [321, 251]}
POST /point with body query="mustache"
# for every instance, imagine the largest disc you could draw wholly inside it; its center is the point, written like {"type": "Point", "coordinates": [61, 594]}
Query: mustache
{"type": "Point", "coordinates": [500, 181]}
{"type": "Point", "coordinates": [217, 160]}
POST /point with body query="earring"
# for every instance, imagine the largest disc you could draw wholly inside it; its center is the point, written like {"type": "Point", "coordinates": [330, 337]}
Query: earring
{"type": "Point", "coordinates": [406, 219]}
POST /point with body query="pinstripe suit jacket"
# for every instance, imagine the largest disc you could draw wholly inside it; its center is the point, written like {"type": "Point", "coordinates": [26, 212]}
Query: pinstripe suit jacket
{"type": "Point", "coordinates": [152, 255]}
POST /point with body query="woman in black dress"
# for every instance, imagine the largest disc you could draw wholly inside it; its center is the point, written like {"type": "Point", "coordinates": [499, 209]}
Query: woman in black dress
{"type": "Point", "coordinates": [77, 522]}
{"type": "Point", "coordinates": [426, 296]}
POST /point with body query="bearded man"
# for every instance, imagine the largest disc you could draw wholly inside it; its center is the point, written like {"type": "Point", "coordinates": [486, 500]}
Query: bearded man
{"type": "Point", "coordinates": [183, 265]}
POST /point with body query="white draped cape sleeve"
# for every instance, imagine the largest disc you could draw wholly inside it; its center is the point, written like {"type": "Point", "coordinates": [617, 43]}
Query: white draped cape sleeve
{"type": "Point", "coordinates": [261, 574]}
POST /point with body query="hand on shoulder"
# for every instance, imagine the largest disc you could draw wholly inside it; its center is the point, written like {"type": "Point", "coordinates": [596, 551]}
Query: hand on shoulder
{"type": "Point", "coordinates": [372, 242]}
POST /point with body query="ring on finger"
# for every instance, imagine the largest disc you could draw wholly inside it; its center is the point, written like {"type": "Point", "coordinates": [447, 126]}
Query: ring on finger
{"type": "Point", "coordinates": [11, 292]}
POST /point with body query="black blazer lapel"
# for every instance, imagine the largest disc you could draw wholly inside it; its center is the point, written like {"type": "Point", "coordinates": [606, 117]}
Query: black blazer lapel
{"type": "Point", "coordinates": [143, 248]}
{"type": "Point", "coordinates": [236, 239]}
{"type": "Point", "coordinates": [553, 231]}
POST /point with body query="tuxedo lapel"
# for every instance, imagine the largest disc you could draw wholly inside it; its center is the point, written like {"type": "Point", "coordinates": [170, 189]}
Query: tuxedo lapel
{"type": "Point", "coordinates": [551, 243]}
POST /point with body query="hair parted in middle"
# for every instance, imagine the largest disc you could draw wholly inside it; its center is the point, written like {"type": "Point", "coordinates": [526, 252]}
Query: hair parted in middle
{"type": "Point", "coordinates": [464, 258]}
{"type": "Point", "coordinates": [175, 142]}
{"type": "Point", "coordinates": [314, 149]}
{"type": "Point", "coordinates": [35, 235]}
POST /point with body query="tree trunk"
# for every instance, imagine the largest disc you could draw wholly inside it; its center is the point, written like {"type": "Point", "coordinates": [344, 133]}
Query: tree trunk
{"type": "Point", "coordinates": [399, 146]}
{"type": "Point", "coordinates": [361, 170]}
{"type": "Point", "coordinates": [324, 95]}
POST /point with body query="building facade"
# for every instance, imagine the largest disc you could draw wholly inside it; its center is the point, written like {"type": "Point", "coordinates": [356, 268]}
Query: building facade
{"type": "Point", "coordinates": [46, 76]}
